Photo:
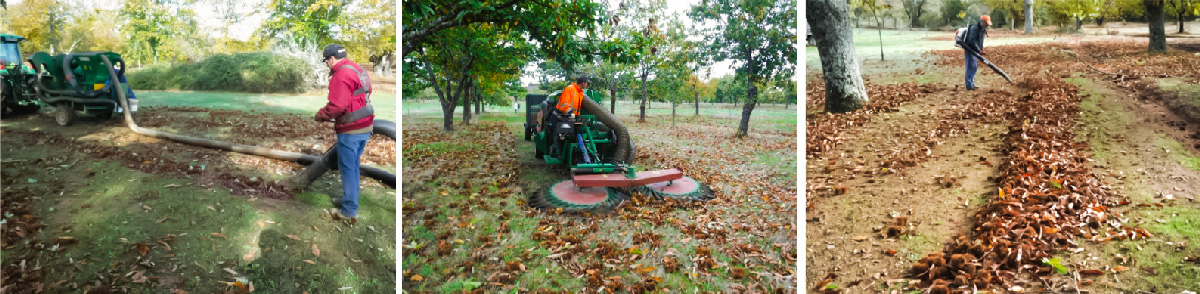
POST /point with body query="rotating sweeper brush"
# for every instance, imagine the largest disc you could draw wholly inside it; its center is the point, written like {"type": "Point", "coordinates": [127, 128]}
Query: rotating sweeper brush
{"type": "Point", "coordinates": [597, 148]}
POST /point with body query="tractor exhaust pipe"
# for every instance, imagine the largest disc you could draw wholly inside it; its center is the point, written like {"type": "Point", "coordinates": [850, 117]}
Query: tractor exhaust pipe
{"type": "Point", "coordinates": [378, 174]}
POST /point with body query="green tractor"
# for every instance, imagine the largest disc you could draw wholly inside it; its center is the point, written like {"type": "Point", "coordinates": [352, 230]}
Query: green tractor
{"type": "Point", "coordinates": [599, 152]}
{"type": "Point", "coordinates": [17, 90]}
{"type": "Point", "coordinates": [80, 82]}
{"type": "Point", "coordinates": [74, 82]}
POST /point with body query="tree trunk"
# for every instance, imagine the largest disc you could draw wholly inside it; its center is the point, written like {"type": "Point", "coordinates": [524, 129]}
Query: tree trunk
{"type": "Point", "coordinates": [747, 108]}
{"type": "Point", "coordinates": [447, 98]}
{"type": "Point", "coordinates": [751, 95]}
{"type": "Point", "coordinates": [478, 101]}
{"type": "Point", "coordinates": [466, 119]}
{"type": "Point", "coordinates": [1078, 23]}
{"type": "Point", "coordinates": [642, 116]}
{"type": "Point", "coordinates": [674, 105]}
{"type": "Point", "coordinates": [1028, 17]}
{"type": "Point", "coordinates": [1158, 33]}
{"type": "Point", "coordinates": [844, 89]}
{"type": "Point", "coordinates": [697, 97]}
{"type": "Point", "coordinates": [612, 92]}
{"type": "Point", "coordinates": [880, 29]}
{"type": "Point", "coordinates": [1182, 10]}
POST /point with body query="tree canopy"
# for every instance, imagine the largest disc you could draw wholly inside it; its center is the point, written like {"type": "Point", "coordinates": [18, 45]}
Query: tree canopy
{"type": "Point", "coordinates": [759, 34]}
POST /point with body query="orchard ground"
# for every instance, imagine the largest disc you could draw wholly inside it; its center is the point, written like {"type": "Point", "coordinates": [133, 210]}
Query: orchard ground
{"type": "Point", "coordinates": [466, 225]}
{"type": "Point", "coordinates": [94, 207]}
{"type": "Point", "coordinates": [903, 156]}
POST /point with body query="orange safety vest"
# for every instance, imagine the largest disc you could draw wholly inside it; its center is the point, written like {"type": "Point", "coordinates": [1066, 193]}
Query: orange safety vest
{"type": "Point", "coordinates": [570, 100]}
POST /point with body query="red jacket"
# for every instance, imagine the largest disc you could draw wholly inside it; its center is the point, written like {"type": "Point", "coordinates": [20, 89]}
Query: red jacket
{"type": "Point", "coordinates": [341, 86]}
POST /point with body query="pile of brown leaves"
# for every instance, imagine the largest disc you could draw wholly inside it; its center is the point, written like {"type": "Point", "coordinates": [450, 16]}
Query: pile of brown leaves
{"type": "Point", "coordinates": [826, 130]}
{"type": "Point", "coordinates": [1048, 197]}
{"type": "Point", "coordinates": [22, 273]}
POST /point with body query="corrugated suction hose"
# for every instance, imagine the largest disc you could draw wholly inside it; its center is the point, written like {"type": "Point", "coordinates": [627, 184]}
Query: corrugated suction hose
{"type": "Point", "coordinates": [300, 181]}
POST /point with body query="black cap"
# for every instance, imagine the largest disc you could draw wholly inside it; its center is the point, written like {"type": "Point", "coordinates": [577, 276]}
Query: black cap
{"type": "Point", "coordinates": [334, 50]}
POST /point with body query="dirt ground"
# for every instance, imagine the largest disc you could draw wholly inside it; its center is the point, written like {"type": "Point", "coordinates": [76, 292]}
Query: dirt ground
{"type": "Point", "coordinates": [96, 208]}
{"type": "Point", "coordinates": [902, 179]}
{"type": "Point", "coordinates": [467, 227]}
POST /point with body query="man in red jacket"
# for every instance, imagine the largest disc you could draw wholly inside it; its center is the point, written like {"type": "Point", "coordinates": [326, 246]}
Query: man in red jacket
{"type": "Point", "coordinates": [350, 109]}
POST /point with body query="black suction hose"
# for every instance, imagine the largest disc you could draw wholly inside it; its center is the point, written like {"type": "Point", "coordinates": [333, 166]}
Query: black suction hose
{"type": "Point", "coordinates": [378, 174]}
{"type": "Point", "coordinates": [625, 151]}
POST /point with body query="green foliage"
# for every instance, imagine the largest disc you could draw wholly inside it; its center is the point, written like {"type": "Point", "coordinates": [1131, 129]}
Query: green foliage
{"type": "Point", "coordinates": [303, 21]}
{"type": "Point", "coordinates": [370, 25]}
{"type": "Point", "coordinates": [259, 72]}
{"type": "Point", "coordinates": [760, 34]}
{"type": "Point", "coordinates": [553, 86]}
{"type": "Point", "coordinates": [1181, 8]}
{"type": "Point", "coordinates": [765, 29]}
{"type": "Point", "coordinates": [1067, 12]}
{"type": "Point", "coordinates": [1056, 264]}
{"type": "Point", "coordinates": [36, 20]}
{"type": "Point", "coordinates": [552, 23]}
{"type": "Point", "coordinates": [954, 12]}
{"type": "Point", "coordinates": [1010, 13]}
{"type": "Point", "coordinates": [916, 10]}
{"type": "Point", "coordinates": [159, 30]}
{"type": "Point", "coordinates": [1125, 9]}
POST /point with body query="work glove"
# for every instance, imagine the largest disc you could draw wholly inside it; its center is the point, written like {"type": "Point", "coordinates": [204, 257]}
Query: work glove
{"type": "Point", "coordinates": [982, 53]}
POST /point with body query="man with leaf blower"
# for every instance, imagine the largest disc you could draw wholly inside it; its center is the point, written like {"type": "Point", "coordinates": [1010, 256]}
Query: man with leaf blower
{"type": "Point", "coordinates": [350, 109]}
{"type": "Point", "coordinates": [972, 41]}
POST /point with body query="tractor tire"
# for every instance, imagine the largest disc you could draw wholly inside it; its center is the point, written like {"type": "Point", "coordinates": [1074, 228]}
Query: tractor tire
{"type": "Point", "coordinates": [528, 134]}
{"type": "Point", "coordinates": [64, 114]}
{"type": "Point", "coordinates": [538, 153]}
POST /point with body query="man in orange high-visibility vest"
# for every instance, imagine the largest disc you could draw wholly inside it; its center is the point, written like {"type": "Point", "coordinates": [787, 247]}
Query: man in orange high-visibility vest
{"type": "Point", "coordinates": [572, 97]}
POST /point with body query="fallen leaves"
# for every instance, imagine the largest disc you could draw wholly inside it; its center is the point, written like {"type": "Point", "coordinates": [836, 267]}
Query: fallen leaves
{"type": "Point", "coordinates": [1052, 196]}
{"type": "Point", "coordinates": [316, 252]}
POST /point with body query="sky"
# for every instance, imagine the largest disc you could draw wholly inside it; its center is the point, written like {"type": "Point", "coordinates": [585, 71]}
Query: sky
{"type": "Point", "coordinates": [206, 14]}
{"type": "Point", "coordinates": [205, 11]}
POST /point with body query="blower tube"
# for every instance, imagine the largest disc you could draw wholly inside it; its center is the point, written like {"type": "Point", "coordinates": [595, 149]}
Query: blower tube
{"type": "Point", "coordinates": [625, 151]}
{"type": "Point", "coordinates": [378, 174]}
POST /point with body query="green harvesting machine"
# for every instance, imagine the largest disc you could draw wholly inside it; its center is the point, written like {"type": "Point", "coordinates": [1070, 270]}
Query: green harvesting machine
{"type": "Point", "coordinates": [598, 150]}
{"type": "Point", "coordinates": [73, 82]}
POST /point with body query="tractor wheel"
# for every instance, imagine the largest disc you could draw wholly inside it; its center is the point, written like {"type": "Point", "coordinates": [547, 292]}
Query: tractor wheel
{"type": "Point", "coordinates": [64, 114]}
{"type": "Point", "coordinates": [528, 133]}
{"type": "Point", "coordinates": [537, 153]}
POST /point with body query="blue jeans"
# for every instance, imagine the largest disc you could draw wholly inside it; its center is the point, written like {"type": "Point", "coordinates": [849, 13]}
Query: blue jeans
{"type": "Point", "coordinates": [972, 66]}
{"type": "Point", "coordinates": [349, 150]}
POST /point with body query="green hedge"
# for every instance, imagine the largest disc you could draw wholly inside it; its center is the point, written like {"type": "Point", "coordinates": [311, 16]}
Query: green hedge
{"type": "Point", "coordinates": [258, 72]}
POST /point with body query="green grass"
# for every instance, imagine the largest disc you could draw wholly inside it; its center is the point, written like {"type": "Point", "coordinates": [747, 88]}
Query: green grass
{"type": "Point", "coordinates": [1170, 271]}
{"type": "Point", "coordinates": [303, 105]}
{"type": "Point", "coordinates": [765, 116]}
{"type": "Point", "coordinates": [905, 45]}
{"type": "Point", "coordinates": [117, 208]}
{"type": "Point", "coordinates": [1103, 124]}
{"type": "Point", "coordinates": [1188, 91]}
{"type": "Point", "coordinates": [1185, 158]}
